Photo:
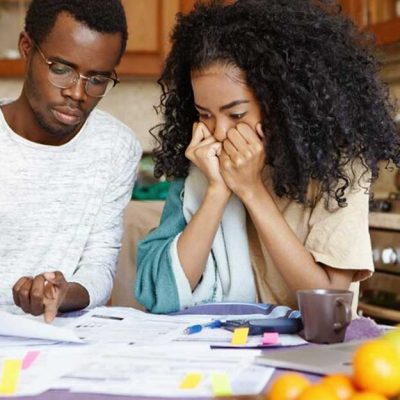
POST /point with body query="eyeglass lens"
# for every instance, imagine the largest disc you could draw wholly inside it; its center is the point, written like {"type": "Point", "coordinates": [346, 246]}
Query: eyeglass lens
{"type": "Point", "coordinates": [64, 76]}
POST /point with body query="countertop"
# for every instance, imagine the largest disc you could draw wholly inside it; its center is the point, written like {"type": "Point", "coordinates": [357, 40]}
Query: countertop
{"type": "Point", "coordinates": [384, 220]}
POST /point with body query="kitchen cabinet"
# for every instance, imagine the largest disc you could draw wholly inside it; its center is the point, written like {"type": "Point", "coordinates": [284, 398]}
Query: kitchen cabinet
{"type": "Point", "coordinates": [149, 24]}
{"type": "Point", "coordinates": [12, 14]}
{"type": "Point", "coordinates": [381, 17]}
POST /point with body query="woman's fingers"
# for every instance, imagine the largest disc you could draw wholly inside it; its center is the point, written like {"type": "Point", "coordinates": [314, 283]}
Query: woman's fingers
{"type": "Point", "coordinates": [260, 131]}
{"type": "Point", "coordinates": [201, 138]}
{"type": "Point", "coordinates": [199, 133]}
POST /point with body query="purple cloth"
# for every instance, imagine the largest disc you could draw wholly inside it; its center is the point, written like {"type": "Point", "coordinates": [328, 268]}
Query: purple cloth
{"type": "Point", "coordinates": [362, 328]}
{"type": "Point", "coordinates": [231, 308]}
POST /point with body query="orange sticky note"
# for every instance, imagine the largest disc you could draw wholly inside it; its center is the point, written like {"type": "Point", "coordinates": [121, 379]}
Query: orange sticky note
{"type": "Point", "coordinates": [221, 384]}
{"type": "Point", "coordinates": [240, 336]}
{"type": "Point", "coordinates": [10, 377]}
{"type": "Point", "coordinates": [191, 380]}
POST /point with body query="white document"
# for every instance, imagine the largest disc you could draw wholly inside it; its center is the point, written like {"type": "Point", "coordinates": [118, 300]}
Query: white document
{"type": "Point", "coordinates": [134, 327]}
{"type": "Point", "coordinates": [15, 341]}
{"type": "Point", "coordinates": [221, 338]}
{"type": "Point", "coordinates": [159, 370]}
{"type": "Point", "coordinates": [23, 326]}
{"type": "Point", "coordinates": [129, 352]}
{"type": "Point", "coordinates": [43, 373]}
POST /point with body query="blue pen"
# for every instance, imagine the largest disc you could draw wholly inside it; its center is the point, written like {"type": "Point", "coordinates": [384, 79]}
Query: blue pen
{"type": "Point", "coordinates": [199, 327]}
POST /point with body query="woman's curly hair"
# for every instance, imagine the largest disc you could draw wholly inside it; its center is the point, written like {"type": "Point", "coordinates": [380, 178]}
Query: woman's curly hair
{"type": "Point", "coordinates": [314, 76]}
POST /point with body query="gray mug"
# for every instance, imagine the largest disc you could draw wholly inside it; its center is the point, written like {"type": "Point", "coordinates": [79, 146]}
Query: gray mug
{"type": "Point", "coordinates": [326, 313]}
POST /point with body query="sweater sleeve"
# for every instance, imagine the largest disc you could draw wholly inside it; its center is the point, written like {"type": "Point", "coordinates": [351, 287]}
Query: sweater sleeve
{"type": "Point", "coordinates": [156, 286]}
{"type": "Point", "coordinates": [97, 266]}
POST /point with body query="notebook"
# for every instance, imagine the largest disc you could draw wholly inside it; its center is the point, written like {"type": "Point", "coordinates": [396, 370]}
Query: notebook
{"type": "Point", "coordinates": [319, 359]}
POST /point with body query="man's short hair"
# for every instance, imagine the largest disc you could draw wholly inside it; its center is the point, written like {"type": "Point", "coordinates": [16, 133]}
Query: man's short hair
{"type": "Point", "coordinates": [105, 16]}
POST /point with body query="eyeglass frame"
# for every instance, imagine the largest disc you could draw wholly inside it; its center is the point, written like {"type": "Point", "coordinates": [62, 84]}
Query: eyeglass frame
{"type": "Point", "coordinates": [77, 74]}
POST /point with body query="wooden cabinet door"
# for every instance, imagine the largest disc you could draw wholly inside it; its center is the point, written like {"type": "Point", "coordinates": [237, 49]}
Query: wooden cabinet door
{"type": "Point", "coordinates": [12, 15]}
{"type": "Point", "coordinates": [149, 23]}
{"type": "Point", "coordinates": [357, 10]}
{"type": "Point", "coordinates": [381, 17]}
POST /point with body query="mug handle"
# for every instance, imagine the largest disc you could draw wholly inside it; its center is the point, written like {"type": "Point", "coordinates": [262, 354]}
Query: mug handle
{"type": "Point", "coordinates": [347, 314]}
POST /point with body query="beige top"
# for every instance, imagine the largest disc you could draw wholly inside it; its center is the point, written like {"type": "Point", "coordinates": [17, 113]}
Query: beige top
{"type": "Point", "coordinates": [337, 237]}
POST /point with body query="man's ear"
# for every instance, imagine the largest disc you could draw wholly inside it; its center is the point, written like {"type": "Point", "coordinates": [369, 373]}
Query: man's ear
{"type": "Point", "coordinates": [25, 45]}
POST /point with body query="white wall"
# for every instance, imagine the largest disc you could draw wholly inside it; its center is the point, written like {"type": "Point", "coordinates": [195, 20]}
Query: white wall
{"type": "Point", "coordinates": [131, 101]}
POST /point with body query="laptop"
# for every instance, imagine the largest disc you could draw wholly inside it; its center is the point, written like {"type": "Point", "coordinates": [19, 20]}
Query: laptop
{"type": "Point", "coordinates": [318, 359]}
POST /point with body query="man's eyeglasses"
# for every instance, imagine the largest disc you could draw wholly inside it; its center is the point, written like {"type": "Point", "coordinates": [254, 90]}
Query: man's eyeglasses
{"type": "Point", "coordinates": [64, 76]}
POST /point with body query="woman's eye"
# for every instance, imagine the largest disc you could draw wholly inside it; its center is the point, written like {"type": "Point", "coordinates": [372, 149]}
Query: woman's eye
{"type": "Point", "coordinates": [204, 116]}
{"type": "Point", "coordinates": [238, 116]}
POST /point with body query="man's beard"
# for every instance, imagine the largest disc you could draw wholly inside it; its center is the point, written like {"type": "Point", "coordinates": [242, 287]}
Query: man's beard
{"type": "Point", "coordinates": [53, 131]}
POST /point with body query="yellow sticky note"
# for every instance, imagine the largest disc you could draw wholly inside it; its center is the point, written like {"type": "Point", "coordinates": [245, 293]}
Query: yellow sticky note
{"type": "Point", "coordinates": [191, 380]}
{"type": "Point", "coordinates": [240, 336]}
{"type": "Point", "coordinates": [10, 376]}
{"type": "Point", "coordinates": [221, 384]}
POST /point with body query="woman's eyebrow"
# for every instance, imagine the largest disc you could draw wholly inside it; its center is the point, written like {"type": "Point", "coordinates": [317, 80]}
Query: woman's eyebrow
{"type": "Point", "coordinates": [201, 107]}
{"type": "Point", "coordinates": [226, 106]}
{"type": "Point", "coordinates": [233, 104]}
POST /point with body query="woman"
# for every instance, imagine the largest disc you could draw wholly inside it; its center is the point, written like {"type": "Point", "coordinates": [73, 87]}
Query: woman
{"type": "Point", "coordinates": [274, 124]}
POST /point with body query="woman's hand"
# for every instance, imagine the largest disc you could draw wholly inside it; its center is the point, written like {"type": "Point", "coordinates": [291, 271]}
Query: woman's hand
{"type": "Point", "coordinates": [242, 159]}
{"type": "Point", "coordinates": [204, 151]}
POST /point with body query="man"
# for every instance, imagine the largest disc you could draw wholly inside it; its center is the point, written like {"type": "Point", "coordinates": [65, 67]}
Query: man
{"type": "Point", "coordinates": [67, 170]}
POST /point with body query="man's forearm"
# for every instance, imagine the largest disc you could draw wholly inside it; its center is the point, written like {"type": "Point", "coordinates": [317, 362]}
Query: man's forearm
{"type": "Point", "coordinates": [77, 297]}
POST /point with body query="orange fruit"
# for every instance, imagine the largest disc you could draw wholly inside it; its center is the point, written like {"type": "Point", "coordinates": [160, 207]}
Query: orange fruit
{"type": "Point", "coordinates": [393, 336]}
{"type": "Point", "coordinates": [376, 367]}
{"type": "Point", "coordinates": [341, 384]}
{"type": "Point", "coordinates": [287, 386]}
{"type": "Point", "coordinates": [318, 391]}
{"type": "Point", "coordinates": [367, 395]}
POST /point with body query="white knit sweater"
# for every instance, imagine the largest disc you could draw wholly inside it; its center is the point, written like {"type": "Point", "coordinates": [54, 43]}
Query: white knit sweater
{"type": "Point", "coordinates": [61, 206]}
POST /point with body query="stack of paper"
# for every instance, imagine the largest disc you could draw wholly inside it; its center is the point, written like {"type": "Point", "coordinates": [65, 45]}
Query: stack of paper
{"type": "Point", "coordinates": [128, 352]}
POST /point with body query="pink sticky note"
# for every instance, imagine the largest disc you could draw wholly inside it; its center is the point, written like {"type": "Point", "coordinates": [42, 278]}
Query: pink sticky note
{"type": "Point", "coordinates": [270, 338]}
{"type": "Point", "coordinates": [29, 358]}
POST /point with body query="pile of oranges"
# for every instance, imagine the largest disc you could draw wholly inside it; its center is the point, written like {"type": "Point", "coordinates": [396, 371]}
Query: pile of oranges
{"type": "Point", "coordinates": [376, 376]}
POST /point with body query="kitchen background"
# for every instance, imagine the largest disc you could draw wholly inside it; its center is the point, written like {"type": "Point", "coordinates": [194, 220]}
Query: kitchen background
{"type": "Point", "coordinates": [150, 22]}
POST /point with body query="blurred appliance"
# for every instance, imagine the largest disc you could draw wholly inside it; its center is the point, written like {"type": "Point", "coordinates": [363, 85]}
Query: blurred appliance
{"type": "Point", "coordinates": [380, 294]}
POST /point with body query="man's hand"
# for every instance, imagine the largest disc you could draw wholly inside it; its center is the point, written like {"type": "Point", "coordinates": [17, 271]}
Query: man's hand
{"type": "Point", "coordinates": [43, 294]}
